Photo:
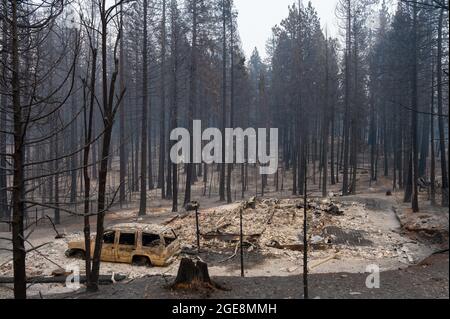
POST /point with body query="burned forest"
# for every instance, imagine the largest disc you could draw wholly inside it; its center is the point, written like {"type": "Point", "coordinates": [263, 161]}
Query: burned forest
{"type": "Point", "coordinates": [159, 149]}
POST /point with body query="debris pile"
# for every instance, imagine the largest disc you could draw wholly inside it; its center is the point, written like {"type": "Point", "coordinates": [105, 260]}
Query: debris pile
{"type": "Point", "coordinates": [274, 228]}
{"type": "Point", "coordinates": [272, 225]}
{"type": "Point", "coordinates": [271, 220]}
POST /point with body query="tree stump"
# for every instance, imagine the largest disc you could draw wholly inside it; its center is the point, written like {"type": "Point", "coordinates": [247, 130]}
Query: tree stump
{"type": "Point", "coordinates": [194, 276]}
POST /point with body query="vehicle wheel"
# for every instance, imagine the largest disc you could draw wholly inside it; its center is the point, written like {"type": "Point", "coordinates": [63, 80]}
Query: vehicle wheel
{"type": "Point", "coordinates": [77, 254]}
{"type": "Point", "coordinates": [80, 255]}
{"type": "Point", "coordinates": [141, 261]}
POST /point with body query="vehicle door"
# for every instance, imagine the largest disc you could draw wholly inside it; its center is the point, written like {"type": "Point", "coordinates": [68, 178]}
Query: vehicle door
{"type": "Point", "coordinates": [126, 246]}
{"type": "Point", "coordinates": [108, 248]}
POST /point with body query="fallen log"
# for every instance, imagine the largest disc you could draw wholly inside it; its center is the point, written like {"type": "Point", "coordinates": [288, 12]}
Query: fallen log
{"type": "Point", "coordinates": [103, 279]}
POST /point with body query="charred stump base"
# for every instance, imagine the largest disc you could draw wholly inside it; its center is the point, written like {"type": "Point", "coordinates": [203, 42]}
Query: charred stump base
{"type": "Point", "coordinates": [194, 276]}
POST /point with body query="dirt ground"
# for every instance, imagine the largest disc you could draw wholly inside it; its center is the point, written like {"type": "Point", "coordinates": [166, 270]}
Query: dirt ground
{"type": "Point", "coordinates": [428, 280]}
{"type": "Point", "coordinates": [375, 229]}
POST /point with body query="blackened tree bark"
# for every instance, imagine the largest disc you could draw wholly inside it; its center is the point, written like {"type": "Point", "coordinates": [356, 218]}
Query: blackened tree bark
{"type": "Point", "coordinates": [19, 252]}
{"type": "Point", "coordinates": [88, 121]}
{"type": "Point", "coordinates": [326, 125]}
{"type": "Point", "coordinates": [4, 211]}
{"type": "Point", "coordinates": [109, 111]}
{"type": "Point", "coordinates": [73, 159]}
{"type": "Point", "coordinates": [444, 167]}
{"type": "Point", "coordinates": [122, 147]}
{"type": "Point", "coordinates": [174, 108]}
{"type": "Point", "coordinates": [432, 142]}
{"type": "Point", "coordinates": [232, 97]}
{"type": "Point", "coordinates": [192, 101]}
{"type": "Point", "coordinates": [355, 105]}
{"type": "Point", "coordinates": [373, 140]}
{"type": "Point", "coordinates": [414, 122]}
{"type": "Point", "coordinates": [224, 97]}
{"type": "Point", "coordinates": [162, 131]}
{"type": "Point", "coordinates": [332, 146]}
{"type": "Point", "coordinates": [346, 141]}
{"type": "Point", "coordinates": [144, 119]}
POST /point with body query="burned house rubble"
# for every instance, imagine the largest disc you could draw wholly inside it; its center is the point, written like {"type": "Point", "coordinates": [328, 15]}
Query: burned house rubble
{"type": "Point", "coordinates": [344, 231]}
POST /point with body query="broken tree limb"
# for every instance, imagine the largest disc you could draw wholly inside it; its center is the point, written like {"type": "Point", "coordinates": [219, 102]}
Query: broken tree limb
{"type": "Point", "coordinates": [296, 247]}
{"type": "Point", "coordinates": [58, 235]}
{"type": "Point", "coordinates": [170, 221]}
{"type": "Point", "coordinates": [319, 263]}
{"type": "Point", "coordinates": [440, 252]}
{"type": "Point", "coordinates": [103, 279]}
{"type": "Point", "coordinates": [232, 256]}
{"type": "Point", "coordinates": [36, 249]}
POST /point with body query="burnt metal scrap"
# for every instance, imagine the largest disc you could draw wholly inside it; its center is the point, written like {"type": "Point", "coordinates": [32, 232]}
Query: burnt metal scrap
{"type": "Point", "coordinates": [231, 238]}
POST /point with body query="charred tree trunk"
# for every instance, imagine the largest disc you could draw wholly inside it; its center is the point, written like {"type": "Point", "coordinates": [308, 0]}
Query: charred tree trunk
{"type": "Point", "coordinates": [88, 119]}
{"type": "Point", "coordinates": [73, 159]}
{"type": "Point", "coordinates": [432, 142]}
{"type": "Point", "coordinates": [414, 125]}
{"type": "Point", "coordinates": [224, 98]}
{"type": "Point", "coordinates": [332, 152]}
{"type": "Point", "coordinates": [109, 113]}
{"type": "Point", "coordinates": [193, 276]}
{"type": "Point", "coordinates": [174, 109]}
{"type": "Point", "coordinates": [19, 253]}
{"type": "Point", "coordinates": [4, 211]}
{"type": "Point", "coordinates": [144, 119]}
{"type": "Point", "coordinates": [326, 127]}
{"type": "Point", "coordinates": [122, 151]}
{"type": "Point", "coordinates": [444, 167]}
{"type": "Point", "coordinates": [346, 141]}
{"type": "Point", "coordinates": [192, 102]}
{"type": "Point", "coordinates": [232, 97]}
{"type": "Point", "coordinates": [162, 134]}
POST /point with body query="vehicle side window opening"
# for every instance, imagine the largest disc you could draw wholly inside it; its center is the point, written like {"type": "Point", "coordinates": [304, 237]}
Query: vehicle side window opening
{"type": "Point", "coordinates": [169, 237]}
{"type": "Point", "coordinates": [127, 239]}
{"type": "Point", "coordinates": [109, 237]}
{"type": "Point", "coordinates": [150, 240]}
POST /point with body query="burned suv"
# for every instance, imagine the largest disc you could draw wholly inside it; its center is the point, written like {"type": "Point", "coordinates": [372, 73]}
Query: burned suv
{"type": "Point", "coordinates": [138, 244]}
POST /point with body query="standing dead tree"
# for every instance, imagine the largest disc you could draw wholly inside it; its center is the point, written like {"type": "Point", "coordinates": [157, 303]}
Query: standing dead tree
{"type": "Point", "coordinates": [33, 102]}
{"type": "Point", "coordinates": [109, 108]}
{"type": "Point", "coordinates": [145, 106]}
